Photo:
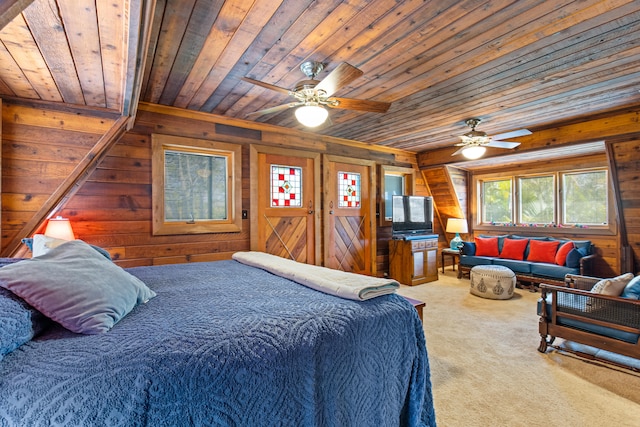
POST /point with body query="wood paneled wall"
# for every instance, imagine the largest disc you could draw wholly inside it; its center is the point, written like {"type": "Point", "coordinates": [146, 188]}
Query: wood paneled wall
{"type": "Point", "coordinates": [42, 143]}
{"type": "Point", "coordinates": [113, 207]}
{"type": "Point", "coordinates": [626, 160]}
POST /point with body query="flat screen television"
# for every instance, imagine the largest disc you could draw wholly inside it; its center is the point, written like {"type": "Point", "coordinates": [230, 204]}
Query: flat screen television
{"type": "Point", "coordinates": [412, 215]}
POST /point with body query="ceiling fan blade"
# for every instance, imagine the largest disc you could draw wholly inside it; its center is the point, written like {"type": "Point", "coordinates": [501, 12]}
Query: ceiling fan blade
{"type": "Point", "coordinates": [459, 151]}
{"type": "Point", "coordinates": [512, 134]}
{"type": "Point", "coordinates": [361, 105]}
{"type": "Point", "coordinates": [266, 85]}
{"type": "Point", "coordinates": [502, 144]}
{"type": "Point", "coordinates": [341, 76]}
{"type": "Point", "coordinates": [273, 109]}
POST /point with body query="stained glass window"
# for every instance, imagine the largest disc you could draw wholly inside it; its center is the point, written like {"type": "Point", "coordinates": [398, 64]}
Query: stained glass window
{"type": "Point", "coordinates": [348, 190]}
{"type": "Point", "coordinates": [286, 186]}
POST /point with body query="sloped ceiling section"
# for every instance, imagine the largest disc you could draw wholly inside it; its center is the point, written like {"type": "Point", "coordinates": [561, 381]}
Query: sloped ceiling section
{"type": "Point", "coordinates": [514, 64]}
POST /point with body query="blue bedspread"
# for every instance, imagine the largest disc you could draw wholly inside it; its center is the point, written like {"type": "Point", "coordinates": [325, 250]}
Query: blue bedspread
{"type": "Point", "coordinates": [225, 344]}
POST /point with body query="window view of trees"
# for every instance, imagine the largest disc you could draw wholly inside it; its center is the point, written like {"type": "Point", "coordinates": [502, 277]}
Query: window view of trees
{"type": "Point", "coordinates": [195, 187]}
{"type": "Point", "coordinates": [497, 206]}
{"type": "Point", "coordinates": [585, 198]}
{"type": "Point", "coordinates": [536, 200]}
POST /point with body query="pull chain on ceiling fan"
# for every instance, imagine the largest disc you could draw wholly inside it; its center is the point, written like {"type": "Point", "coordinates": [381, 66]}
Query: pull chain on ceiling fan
{"type": "Point", "coordinates": [312, 96]}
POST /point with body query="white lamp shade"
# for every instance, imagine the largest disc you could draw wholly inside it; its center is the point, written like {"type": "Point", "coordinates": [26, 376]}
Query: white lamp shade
{"type": "Point", "coordinates": [474, 152]}
{"type": "Point", "coordinates": [457, 225]}
{"type": "Point", "coordinates": [59, 228]}
{"type": "Point", "coordinates": [311, 115]}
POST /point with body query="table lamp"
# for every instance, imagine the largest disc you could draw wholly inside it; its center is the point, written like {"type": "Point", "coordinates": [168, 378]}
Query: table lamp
{"type": "Point", "coordinates": [59, 228]}
{"type": "Point", "coordinates": [456, 225]}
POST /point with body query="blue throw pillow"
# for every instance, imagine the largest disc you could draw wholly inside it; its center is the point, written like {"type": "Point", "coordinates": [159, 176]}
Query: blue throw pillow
{"type": "Point", "coordinates": [632, 290]}
{"type": "Point", "coordinates": [18, 322]}
{"type": "Point", "coordinates": [574, 256]}
{"type": "Point", "coordinates": [468, 248]}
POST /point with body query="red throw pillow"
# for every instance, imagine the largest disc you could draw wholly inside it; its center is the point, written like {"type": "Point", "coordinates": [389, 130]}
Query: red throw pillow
{"type": "Point", "coordinates": [543, 251]}
{"type": "Point", "coordinates": [563, 251]}
{"type": "Point", "coordinates": [514, 248]}
{"type": "Point", "coordinates": [487, 246]}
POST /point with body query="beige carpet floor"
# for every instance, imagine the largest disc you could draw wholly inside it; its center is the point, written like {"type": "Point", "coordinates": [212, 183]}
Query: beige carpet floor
{"type": "Point", "coordinates": [486, 369]}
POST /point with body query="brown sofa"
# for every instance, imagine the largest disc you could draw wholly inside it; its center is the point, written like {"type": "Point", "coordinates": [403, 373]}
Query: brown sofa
{"type": "Point", "coordinates": [574, 313]}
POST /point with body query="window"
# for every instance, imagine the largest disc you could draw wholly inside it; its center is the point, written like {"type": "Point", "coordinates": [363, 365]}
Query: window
{"type": "Point", "coordinates": [497, 206]}
{"type": "Point", "coordinates": [195, 186]}
{"type": "Point", "coordinates": [395, 181]}
{"type": "Point", "coordinates": [567, 198]}
{"type": "Point", "coordinates": [536, 200]}
{"type": "Point", "coordinates": [585, 198]}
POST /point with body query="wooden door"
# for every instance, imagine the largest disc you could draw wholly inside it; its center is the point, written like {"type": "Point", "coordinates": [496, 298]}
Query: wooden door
{"type": "Point", "coordinates": [285, 194]}
{"type": "Point", "coordinates": [349, 214]}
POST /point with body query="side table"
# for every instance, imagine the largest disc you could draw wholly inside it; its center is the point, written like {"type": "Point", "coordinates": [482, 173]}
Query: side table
{"type": "Point", "coordinates": [453, 253]}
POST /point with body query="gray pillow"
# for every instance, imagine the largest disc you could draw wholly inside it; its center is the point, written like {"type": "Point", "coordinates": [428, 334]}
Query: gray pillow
{"type": "Point", "coordinates": [77, 287]}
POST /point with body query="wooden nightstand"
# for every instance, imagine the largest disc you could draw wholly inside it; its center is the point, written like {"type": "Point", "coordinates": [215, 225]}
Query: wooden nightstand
{"type": "Point", "coordinates": [453, 253]}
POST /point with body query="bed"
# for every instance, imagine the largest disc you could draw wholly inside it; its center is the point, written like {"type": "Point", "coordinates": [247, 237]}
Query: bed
{"type": "Point", "coordinates": [221, 344]}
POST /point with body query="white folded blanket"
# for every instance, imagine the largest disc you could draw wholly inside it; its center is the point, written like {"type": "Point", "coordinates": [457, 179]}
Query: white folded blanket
{"type": "Point", "coordinates": [335, 282]}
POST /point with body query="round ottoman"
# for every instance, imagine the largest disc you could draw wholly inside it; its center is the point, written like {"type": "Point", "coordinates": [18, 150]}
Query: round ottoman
{"type": "Point", "coordinates": [492, 281]}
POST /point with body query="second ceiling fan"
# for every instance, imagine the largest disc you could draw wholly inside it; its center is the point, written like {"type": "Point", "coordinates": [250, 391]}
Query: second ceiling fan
{"type": "Point", "coordinates": [474, 142]}
{"type": "Point", "coordinates": [312, 95]}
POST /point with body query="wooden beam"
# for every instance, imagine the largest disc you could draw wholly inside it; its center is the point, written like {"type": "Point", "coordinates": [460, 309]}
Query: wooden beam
{"type": "Point", "coordinates": [9, 9]}
{"type": "Point", "coordinates": [70, 185]}
{"type": "Point", "coordinates": [140, 23]}
{"type": "Point", "coordinates": [600, 129]}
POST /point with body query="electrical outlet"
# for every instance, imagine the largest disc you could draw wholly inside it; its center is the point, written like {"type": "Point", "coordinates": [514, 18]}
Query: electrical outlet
{"type": "Point", "coordinates": [245, 214]}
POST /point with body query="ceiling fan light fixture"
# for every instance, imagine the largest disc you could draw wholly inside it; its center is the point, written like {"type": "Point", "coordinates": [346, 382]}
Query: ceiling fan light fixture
{"type": "Point", "coordinates": [473, 152]}
{"type": "Point", "coordinates": [311, 115]}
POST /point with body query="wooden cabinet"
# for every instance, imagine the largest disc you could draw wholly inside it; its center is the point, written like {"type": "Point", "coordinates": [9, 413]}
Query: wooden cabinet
{"type": "Point", "coordinates": [412, 262]}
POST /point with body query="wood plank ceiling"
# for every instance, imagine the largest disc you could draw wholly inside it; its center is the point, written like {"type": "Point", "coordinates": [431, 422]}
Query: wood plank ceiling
{"type": "Point", "coordinates": [514, 64]}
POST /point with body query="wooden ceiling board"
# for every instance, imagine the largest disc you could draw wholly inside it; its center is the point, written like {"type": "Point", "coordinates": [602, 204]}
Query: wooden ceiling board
{"type": "Point", "coordinates": [514, 64]}
{"type": "Point", "coordinates": [260, 14]}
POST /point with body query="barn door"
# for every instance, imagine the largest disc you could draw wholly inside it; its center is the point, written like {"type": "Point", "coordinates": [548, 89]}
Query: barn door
{"type": "Point", "coordinates": [286, 196]}
{"type": "Point", "coordinates": [349, 214]}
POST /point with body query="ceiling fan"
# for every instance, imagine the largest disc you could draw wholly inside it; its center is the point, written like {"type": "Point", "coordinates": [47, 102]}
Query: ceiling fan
{"type": "Point", "coordinates": [474, 143]}
{"type": "Point", "coordinates": [312, 95]}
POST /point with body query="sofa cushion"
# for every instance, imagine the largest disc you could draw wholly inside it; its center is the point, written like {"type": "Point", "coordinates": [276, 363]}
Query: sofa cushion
{"type": "Point", "coordinates": [518, 267]}
{"type": "Point", "coordinates": [514, 248]}
{"type": "Point", "coordinates": [540, 251]}
{"type": "Point", "coordinates": [473, 260]}
{"type": "Point", "coordinates": [632, 290]}
{"type": "Point", "coordinates": [553, 271]}
{"type": "Point", "coordinates": [563, 251]}
{"type": "Point", "coordinates": [487, 246]}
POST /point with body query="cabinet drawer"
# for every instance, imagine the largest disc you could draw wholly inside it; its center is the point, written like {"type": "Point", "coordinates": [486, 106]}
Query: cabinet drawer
{"type": "Point", "coordinates": [417, 244]}
{"type": "Point", "coordinates": [433, 243]}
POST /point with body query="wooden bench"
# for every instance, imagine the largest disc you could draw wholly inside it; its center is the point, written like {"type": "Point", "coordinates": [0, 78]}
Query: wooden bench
{"type": "Point", "coordinates": [419, 305]}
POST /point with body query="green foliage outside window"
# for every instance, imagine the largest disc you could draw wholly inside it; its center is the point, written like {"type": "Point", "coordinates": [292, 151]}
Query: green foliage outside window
{"type": "Point", "coordinates": [497, 206]}
{"type": "Point", "coordinates": [536, 200]}
{"type": "Point", "coordinates": [582, 201]}
{"type": "Point", "coordinates": [585, 198]}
